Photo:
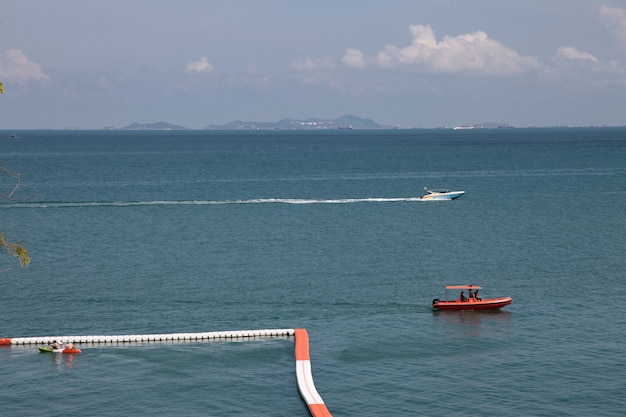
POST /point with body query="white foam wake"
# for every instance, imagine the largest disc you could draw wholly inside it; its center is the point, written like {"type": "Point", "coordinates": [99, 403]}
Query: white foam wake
{"type": "Point", "coordinates": [211, 202]}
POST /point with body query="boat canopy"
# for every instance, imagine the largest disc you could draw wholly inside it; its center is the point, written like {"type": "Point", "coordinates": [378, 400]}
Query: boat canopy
{"type": "Point", "coordinates": [464, 287]}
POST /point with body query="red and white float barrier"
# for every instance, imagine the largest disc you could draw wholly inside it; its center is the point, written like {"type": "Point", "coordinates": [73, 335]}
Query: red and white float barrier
{"type": "Point", "coordinates": [148, 337]}
{"type": "Point", "coordinates": [304, 377]}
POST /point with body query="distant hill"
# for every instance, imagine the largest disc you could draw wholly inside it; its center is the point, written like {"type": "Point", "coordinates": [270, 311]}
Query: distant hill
{"type": "Point", "coordinates": [343, 122]}
{"type": "Point", "coordinates": [153, 126]}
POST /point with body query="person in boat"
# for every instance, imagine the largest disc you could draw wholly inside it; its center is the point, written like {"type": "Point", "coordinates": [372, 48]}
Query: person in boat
{"type": "Point", "coordinates": [470, 294]}
{"type": "Point", "coordinates": [69, 346]}
{"type": "Point", "coordinates": [462, 296]}
{"type": "Point", "coordinates": [476, 296]}
{"type": "Point", "coordinates": [54, 344]}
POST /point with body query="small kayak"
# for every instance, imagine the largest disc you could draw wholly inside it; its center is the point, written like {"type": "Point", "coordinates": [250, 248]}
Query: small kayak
{"type": "Point", "coordinates": [66, 350]}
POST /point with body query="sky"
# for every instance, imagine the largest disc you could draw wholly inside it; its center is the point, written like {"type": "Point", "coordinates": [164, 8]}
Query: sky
{"type": "Point", "coordinates": [405, 63]}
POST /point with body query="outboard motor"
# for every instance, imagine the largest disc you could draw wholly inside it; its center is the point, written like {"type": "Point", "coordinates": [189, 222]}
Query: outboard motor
{"type": "Point", "coordinates": [435, 301]}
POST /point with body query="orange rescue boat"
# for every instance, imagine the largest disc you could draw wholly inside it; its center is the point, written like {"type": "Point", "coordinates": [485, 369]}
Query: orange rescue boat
{"type": "Point", "coordinates": [469, 301]}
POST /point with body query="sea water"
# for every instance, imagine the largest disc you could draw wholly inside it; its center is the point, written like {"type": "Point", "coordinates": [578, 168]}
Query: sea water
{"type": "Point", "coordinates": [196, 231]}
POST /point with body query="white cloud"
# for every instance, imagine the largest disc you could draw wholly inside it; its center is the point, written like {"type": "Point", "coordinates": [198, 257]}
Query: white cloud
{"type": "Point", "coordinates": [571, 53]}
{"type": "Point", "coordinates": [615, 19]}
{"type": "Point", "coordinates": [581, 70]}
{"type": "Point", "coordinates": [354, 58]}
{"type": "Point", "coordinates": [201, 66]}
{"type": "Point", "coordinates": [16, 67]}
{"type": "Point", "coordinates": [470, 53]}
{"type": "Point", "coordinates": [313, 64]}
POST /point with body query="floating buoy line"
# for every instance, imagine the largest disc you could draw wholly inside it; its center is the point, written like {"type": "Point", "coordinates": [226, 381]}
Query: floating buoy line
{"type": "Point", "coordinates": [306, 386]}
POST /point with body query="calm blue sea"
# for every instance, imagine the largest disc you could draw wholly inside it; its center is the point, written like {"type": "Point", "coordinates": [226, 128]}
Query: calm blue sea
{"type": "Point", "coordinates": [196, 231]}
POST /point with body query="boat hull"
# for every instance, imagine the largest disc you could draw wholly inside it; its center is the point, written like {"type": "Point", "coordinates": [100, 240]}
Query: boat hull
{"type": "Point", "coordinates": [443, 196]}
{"type": "Point", "coordinates": [486, 304]}
{"type": "Point", "coordinates": [66, 351]}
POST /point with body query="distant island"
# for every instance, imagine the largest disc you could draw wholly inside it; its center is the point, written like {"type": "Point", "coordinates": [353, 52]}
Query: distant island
{"type": "Point", "coordinates": [343, 122]}
{"type": "Point", "coordinates": [150, 126]}
{"type": "Point", "coordinates": [346, 122]}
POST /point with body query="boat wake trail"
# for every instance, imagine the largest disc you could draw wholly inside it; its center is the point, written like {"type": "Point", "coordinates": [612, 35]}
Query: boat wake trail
{"type": "Point", "coordinates": [210, 202]}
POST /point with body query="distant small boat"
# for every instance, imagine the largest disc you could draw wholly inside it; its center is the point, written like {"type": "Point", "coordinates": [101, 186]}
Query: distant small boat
{"type": "Point", "coordinates": [61, 350]}
{"type": "Point", "coordinates": [441, 194]}
{"type": "Point", "coordinates": [470, 302]}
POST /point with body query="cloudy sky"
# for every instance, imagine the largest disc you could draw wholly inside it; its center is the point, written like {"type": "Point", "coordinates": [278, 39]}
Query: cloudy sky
{"type": "Point", "coordinates": [409, 63]}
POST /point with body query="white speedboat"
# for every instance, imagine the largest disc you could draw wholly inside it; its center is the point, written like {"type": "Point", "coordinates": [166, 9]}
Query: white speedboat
{"type": "Point", "coordinates": [441, 194]}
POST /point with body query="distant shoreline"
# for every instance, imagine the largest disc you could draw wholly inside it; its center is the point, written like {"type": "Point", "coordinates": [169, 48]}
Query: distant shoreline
{"type": "Point", "coordinates": [10, 133]}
